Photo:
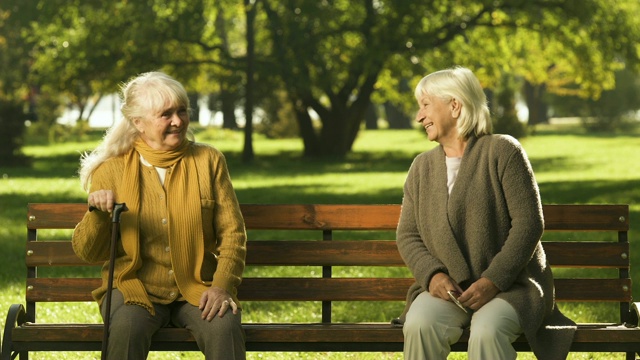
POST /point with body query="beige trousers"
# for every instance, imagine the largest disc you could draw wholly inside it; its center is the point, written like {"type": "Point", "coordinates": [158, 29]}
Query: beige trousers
{"type": "Point", "coordinates": [432, 325]}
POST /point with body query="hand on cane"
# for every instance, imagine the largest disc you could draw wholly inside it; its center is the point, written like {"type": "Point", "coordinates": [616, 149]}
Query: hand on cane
{"type": "Point", "coordinates": [102, 200]}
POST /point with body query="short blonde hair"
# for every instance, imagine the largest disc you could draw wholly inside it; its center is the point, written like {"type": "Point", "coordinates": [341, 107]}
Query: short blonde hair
{"type": "Point", "coordinates": [142, 97]}
{"type": "Point", "coordinates": [461, 84]}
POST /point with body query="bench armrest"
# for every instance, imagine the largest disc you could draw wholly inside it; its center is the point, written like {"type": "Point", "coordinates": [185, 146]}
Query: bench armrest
{"type": "Point", "coordinates": [635, 313]}
{"type": "Point", "coordinates": [15, 317]}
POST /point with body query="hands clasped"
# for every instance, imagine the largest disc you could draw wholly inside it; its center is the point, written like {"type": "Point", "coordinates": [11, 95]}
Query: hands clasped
{"type": "Point", "coordinates": [475, 297]}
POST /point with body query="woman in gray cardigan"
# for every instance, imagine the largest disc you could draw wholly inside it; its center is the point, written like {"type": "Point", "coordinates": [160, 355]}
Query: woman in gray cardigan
{"type": "Point", "coordinates": [470, 229]}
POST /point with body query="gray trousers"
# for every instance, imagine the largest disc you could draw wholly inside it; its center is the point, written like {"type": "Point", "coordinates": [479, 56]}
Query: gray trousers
{"type": "Point", "coordinates": [131, 328]}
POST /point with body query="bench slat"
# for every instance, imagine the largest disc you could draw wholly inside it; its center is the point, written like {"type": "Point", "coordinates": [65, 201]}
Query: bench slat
{"type": "Point", "coordinates": [345, 217]}
{"type": "Point", "coordinates": [318, 289]}
{"type": "Point", "coordinates": [54, 215]}
{"type": "Point", "coordinates": [294, 253]}
{"type": "Point", "coordinates": [587, 254]}
{"type": "Point", "coordinates": [353, 253]}
{"type": "Point", "coordinates": [586, 217]}
{"type": "Point", "coordinates": [618, 290]}
{"type": "Point", "coordinates": [257, 289]}
{"type": "Point", "coordinates": [289, 217]}
{"type": "Point", "coordinates": [321, 217]}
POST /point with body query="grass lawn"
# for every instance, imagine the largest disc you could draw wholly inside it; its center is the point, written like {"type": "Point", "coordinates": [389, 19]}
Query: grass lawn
{"type": "Point", "coordinates": [571, 167]}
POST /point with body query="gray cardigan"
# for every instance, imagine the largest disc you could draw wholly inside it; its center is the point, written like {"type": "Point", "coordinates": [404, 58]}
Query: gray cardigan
{"type": "Point", "coordinates": [489, 226]}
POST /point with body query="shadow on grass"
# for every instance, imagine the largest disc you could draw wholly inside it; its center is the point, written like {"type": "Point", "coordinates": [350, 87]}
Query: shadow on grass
{"type": "Point", "coordinates": [54, 166]}
{"type": "Point", "coordinates": [554, 163]}
{"type": "Point", "coordinates": [591, 192]}
{"type": "Point", "coordinates": [291, 163]}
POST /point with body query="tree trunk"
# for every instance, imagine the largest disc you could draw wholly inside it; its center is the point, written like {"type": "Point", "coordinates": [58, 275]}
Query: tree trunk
{"type": "Point", "coordinates": [538, 108]}
{"type": "Point", "coordinates": [228, 109]}
{"type": "Point", "coordinates": [247, 153]}
{"type": "Point", "coordinates": [307, 132]}
{"type": "Point", "coordinates": [12, 124]}
{"type": "Point", "coordinates": [371, 117]}
{"type": "Point", "coordinates": [195, 107]}
{"type": "Point", "coordinates": [396, 118]}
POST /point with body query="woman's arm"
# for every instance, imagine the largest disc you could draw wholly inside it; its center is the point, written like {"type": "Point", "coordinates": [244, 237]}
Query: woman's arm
{"type": "Point", "coordinates": [419, 260]}
{"type": "Point", "coordinates": [229, 231]}
{"type": "Point", "coordinates": [91, 237]}
{"type": "Point", "coordinates": [525, 211]}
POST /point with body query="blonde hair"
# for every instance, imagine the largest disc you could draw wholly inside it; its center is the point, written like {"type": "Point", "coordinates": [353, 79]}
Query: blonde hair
{"type": "Point", "coordinates": [142, 97]}
{"type": "Point", "coordinates": [461, 84]}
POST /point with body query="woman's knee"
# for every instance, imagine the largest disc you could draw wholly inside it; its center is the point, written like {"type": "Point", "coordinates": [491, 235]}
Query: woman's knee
{"type": "Point", "coordinates": [418, 325]}
{"type": "Point", "coordinates": [498, 321]}
{"type": "Point", "coordinates": [428, 314]}
{"type": "Point", "coordinates": [133, 324]}
{"type": "Point", "coordinates": [229, 325]}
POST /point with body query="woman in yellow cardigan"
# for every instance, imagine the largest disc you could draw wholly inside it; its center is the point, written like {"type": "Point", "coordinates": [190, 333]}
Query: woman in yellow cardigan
{"type": "Point", "coordinates": [183, 240]}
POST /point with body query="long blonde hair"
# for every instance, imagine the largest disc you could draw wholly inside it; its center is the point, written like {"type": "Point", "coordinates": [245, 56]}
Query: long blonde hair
{"type": "Point", "coordinates": [142, 97]}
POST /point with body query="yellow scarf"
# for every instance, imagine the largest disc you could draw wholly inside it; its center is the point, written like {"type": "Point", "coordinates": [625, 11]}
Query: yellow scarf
{"type": "Point", "coordinates": [185, 217]}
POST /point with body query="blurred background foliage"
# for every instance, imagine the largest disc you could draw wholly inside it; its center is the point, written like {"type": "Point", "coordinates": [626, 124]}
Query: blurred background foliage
{"type": "Point", "coordinates": [320, 70]}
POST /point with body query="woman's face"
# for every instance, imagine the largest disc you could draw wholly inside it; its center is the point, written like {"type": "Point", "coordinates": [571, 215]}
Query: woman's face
{"type": "Point", "coordinates": [164, 130]}
{"type": "Point", "coordinates": [438, 117]}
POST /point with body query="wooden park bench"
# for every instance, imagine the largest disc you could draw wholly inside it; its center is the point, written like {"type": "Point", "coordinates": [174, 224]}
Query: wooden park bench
{"type": "Point", "coordinates": [343, 239]}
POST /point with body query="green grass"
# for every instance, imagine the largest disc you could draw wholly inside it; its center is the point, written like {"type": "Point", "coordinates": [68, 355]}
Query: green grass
{"type": "Point", "coordinates": [571, 167]}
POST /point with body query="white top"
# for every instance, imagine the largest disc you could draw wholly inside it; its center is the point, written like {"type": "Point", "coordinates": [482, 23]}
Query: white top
{"type": "Point", "coordinates": [162, 172]}
{"type": "Point", "coordinates": [453, 165]}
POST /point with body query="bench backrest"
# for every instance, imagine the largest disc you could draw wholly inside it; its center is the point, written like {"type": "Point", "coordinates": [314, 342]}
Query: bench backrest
{"type": "Point", "coordinates": [343, 236]}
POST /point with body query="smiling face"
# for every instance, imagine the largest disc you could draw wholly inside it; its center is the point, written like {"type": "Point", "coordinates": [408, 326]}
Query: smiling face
{"type": "Point", "coordinates": [438, 117]}
{"type": "Point", "coordinates": [157, 106]}
{"type": "Point", "coordinates": [165, 129]}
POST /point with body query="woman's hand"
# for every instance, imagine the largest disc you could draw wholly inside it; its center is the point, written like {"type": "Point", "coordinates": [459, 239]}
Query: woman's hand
{"type": "Point", "coordinates": [440, 283]}
{"type": "Point", "coordinates": [102, 200]}
{"type": "Point", "coordinates": [216, 301]}
{"type": "Point", "coordinates": [479, 293]}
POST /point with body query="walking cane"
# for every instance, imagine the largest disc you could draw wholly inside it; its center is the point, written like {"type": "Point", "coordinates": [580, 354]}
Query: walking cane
{"type": "Point", "coordinates": [115, 231]}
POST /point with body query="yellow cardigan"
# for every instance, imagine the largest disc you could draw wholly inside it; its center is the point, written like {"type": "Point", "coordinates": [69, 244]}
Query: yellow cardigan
{"type": "Point", "coordinates": [222, 262]}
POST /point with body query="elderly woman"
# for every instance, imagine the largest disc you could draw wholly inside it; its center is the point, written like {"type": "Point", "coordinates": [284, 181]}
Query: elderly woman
{"type": "Point", "coordinates": [470, 231]}
{"type": "Point", "coordinates": [182, 248]}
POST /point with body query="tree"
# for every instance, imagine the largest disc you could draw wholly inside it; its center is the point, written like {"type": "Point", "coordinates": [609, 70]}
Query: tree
{"type": "Point", "coordinates": [17, 99]}
{"type": "Point", "coordinates": [331, 54]}
{"type": "Point", "coordinates": [612, 110]}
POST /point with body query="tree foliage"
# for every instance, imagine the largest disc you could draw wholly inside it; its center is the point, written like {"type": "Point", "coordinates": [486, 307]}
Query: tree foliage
{"type": "Point", "coordinates": [330, 56]}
